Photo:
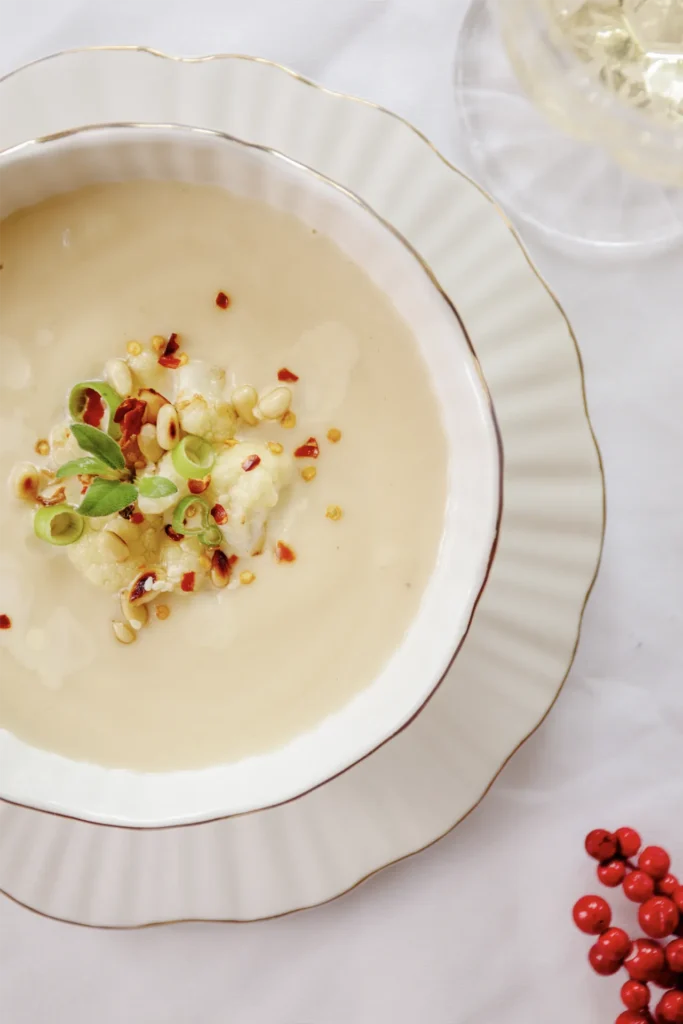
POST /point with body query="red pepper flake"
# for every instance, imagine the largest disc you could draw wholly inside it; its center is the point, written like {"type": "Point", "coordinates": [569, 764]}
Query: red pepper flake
{"type": "Point", "coordinates": [168, 358]}
{"type": "Point", "coordinates": [284, 553]}
{"type": "Point", "coordinates": [287, 375]}
{"type": "Point", "coordinates": [222, 300]}
{"type": "Point", "coordinates": [5, 622]}
{"type": "Point", "coordinates": [130, 416]}
{"type": "Point", "coordinates": [310, 450]}
{"type": "Point", "coordinates": [198, 486]}
{"type": "Point", "coordinates": [187, 582]}
{"type": "Point", "coordinates": [56, 497]}
{"type": "Point", "coordinates": [232, 559]}
{"type": "Point", "coordinates": [251, 462]}
{"type": "Point", "coordinates": [137, 518]}
{"type": "Point", "coordinates": [93, 414]}
{"type": "Point", "coordinates": [219, 514]}
{"type": "Point", "coordinates": [171, 534]}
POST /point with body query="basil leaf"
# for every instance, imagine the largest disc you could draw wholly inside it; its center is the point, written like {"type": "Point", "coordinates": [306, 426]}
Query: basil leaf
{"type": "Point", "coordinates": [156, 487]}
{"type": "Point", "coordinates": [98, 444]}
{"type": "Point", "coordinates": [104, 497]}
{"type": "Point", "coordinates": [87, 465]}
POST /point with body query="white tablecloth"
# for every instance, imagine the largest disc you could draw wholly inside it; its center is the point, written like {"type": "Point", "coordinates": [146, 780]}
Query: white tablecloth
{"type": "Point", "coordinates": [478, 928]}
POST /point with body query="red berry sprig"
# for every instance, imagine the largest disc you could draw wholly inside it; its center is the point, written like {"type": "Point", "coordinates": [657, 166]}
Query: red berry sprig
{"type": "Point", "coordinates": [660, 914]}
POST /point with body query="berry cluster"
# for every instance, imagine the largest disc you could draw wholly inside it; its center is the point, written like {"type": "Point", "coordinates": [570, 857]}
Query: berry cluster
{"type": "Point", "coordinates": [660, 895]}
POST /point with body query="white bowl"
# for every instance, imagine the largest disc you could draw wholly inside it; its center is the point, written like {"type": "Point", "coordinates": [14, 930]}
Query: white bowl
{"type": "Point", "coordinates": [33, 171]}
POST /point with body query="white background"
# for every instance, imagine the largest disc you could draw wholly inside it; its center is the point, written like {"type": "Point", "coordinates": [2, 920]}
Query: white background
{"type": "Point", "coordinates": [478, 928]}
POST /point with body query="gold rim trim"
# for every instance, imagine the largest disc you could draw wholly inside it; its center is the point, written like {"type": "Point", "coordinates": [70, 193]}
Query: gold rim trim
{"type": "Point", "coordinates": [513, 231]}
{"type": "Point", "coordinates": [485, 394]}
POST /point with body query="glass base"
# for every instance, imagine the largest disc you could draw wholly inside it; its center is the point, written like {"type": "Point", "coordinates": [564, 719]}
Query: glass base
{"type": "Point", "coordinates": [569, 190]}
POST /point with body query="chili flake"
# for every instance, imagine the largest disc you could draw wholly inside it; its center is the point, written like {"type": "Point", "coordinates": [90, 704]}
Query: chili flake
{"type": "Point", "coordinates": [162, 611]}
{"type": "Point", "coordinates": [168, 357]}
{"type": "Point", "coordinates": [93, 414]}
{"type": "Point", "coordinates": [222, 300]}
{"type": "Point", "coordinates": [284, 553]}
{"type": "Point", "coordinates": [309, 473]}
{"type": "Point", "coordinates": [219, 514]}
{"type": "Point", "coordinates": [333, 512]}
{"type": "Point", "coordinates": [5, 622]}
{"type": "Point", "coordinates": [287, 375]}
{"type": "Point", "coordinates": [42, 447]}
{"type": "Point", "coordinates": [247, 577]}
{"type": "Point", "coordinates": [288, 420]}
{"type": "Point", "coordinates": [310, 450]}
{"type": "Point", "coordinates": [187, 582]}
{"type": "Point", "coordinates": [334, 435]}
{"type": "Point", "coordinates": [198, 486]}
{"type": "Point", "coordinates": [251, 462]}
{"type": "Point", "coordinates": [137, 518]}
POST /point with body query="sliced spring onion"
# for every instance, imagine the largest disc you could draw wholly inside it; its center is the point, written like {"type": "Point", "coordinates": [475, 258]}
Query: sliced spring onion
{"type": "Point", "coordinates": [212, 537]}
{"type": "Point", "coordinates": [58, 524]}
{"type": "Point", "coordinates": [78, 401]}
{"type": "Point", "coordinates": [193, 458]}
{"type": "Point", "coordinates": [198, 523]}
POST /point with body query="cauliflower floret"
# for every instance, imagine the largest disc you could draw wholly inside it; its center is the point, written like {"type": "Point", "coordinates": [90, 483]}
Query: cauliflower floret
{"type": "Point", "coordinates": [90, 556]}
{"type": "Point", "coordinates": [177, 558]}
{"type": "Point", "coordinates": [148, 372]}
{"type": "Point", "coordinates": [249, 496]}
{"type": "Point", "coordinates": [63, 446]}
{"type": "Point", "coordinates": [201, 404]}
{"type": "Point", "coordinates": [157, 506]}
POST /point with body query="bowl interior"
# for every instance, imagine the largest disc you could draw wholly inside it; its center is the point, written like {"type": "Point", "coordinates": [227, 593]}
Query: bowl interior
{"type": "Point", "coordinates": [36, 171]}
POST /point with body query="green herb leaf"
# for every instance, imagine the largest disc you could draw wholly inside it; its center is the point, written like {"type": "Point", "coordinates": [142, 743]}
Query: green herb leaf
{"type": "Point", "coordinates": [105, 497]}
{"type": "Point", "coordinates": [98, 444]}
{"type": "Point", "coordinates": [87, 465]}
{"type": "Point", "coordinates": [156, 486]}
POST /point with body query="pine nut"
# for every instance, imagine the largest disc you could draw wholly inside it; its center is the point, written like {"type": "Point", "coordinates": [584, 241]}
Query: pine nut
{"type": "Point", "coordinates": [154, 402]}
{"type": "Point", "coordinates": [220, 569]}
{"type": "Point", "coordinates": [113, 547]}
{"type": "Point", "coordinates": [136, 615]}
{"type": "Point", "coordinates": [25, 481]}
{"type": "Point", "coordinates": [244, 399]}
{"type": "Point", "coordinates": [275, 404]}
{"type": "Point", "coordinates": [148, 443]}
{"type": "Point", "coordinates": [168, 427]}
{"type": "Point", "coordinates": [119, 376]}
{"type": "Point", "coordinates": [123, 632]}
{"type": "Point", "coordinates": [139, 593]}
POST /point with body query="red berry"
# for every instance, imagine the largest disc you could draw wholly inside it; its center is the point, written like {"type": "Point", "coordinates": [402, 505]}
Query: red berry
{"type": "Point", "coordinates": [628, 840]}
{"type": "Point", "coordinates": [638, 886]}
{"type": "Point", "coordinates": [614, 943]}
{"type": "Point", "coordinates": [645, 961]}
{"type": "Point", "coordinates": [601, 844]}
{"type": "Point", "coordinates": [659, 917]}
{"type": "Point", "coordinates": [664, 979]}
{"type": "Point", "coordinates": [635, 995]}
{"type": "Point", "coordinates": [612, 873]}
{"type": "Point", "coordinates": [677, 897]}
{"type": "Point", "coordinates": [655, 862]}
{"type": "Point", "coordinates": [670, 1008]}
{"type": "Point", "coordinates": [592, 915]}
{"type": "Point", "coordinates": [667, 886]}
{"type": "Point", "coordinates": [601, 963]}
{"type": "Point", "coordinates": [674, 955]}
{"type": "Point", "coordinates": [634, 1017]}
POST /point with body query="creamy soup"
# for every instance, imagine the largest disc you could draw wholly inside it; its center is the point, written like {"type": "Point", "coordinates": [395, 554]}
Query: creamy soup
{"type": "Point", "coordinates": [236, 671]}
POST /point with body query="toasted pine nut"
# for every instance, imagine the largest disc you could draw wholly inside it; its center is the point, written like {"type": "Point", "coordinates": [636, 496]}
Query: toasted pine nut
{"type": "Point", "coordinates": [119, 376]}
{"type": "Point", "coordinates": [133, 348]}
{"type": "Point", "coordinates": [288, 421]}
{"type": "Point", "coordinates": [244, 399]}
{"type": "Point", "coordinates": [155, 403]}
{"type": "Point", "coordinates": [220, 569]}
{"type": "Point", "coordinates": [148, 444]}
{"type": "Point", "coordinates": [334, 435]}
{"type": "Point", "coordinates": [25, 481]}
{"type": "Point", "coordinates": [123, 632]}
{"type": "Point", "coordinates": [135, 614]}
{"type": "Point", "coordinates": [168, 427]}
{"type": "Point", "coordinates": [114, 547]}
{"type": "Point", "coordinates": [275, 404]}
{"type": "Point", "coordinates": [247, 577]}
{"type": "Point", "coordinates": [138, 592]}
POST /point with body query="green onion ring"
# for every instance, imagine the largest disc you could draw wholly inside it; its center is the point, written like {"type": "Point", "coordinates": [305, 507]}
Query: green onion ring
{"type": "Point", "coordinates": [180, 512]}
{"type": "Point", "coordinates": [211, 537]}
{"type": "Point", "coordinates": [193, 458]}
{"type": "Point", "coordinates": [78, 400]}
{"type": "Point", "coordinates": [58, 524]}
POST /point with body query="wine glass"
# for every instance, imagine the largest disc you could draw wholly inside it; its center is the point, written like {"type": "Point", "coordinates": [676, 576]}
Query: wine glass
{"type": "Point", "coordinates": [573, 111]}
